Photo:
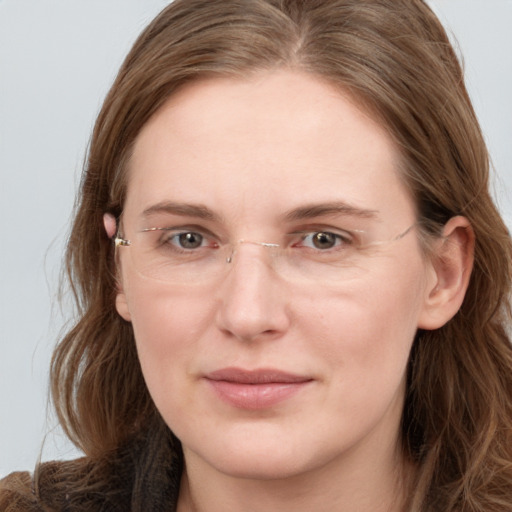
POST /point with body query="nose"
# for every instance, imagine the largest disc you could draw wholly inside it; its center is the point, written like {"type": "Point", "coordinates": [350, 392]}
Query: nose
{"type": "Point", "coordinates": [253, 301]}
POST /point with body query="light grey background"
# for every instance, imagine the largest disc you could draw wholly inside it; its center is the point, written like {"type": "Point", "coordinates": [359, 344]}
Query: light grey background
{"type": "Point", "coordinates": [57, 60]}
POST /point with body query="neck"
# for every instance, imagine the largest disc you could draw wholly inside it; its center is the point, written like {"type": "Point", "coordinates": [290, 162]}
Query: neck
{"type": "Point", "coordinates": [380, 487]}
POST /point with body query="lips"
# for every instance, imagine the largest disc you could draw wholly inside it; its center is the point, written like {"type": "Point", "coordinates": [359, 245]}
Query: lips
{"type": "Point", "coordinates": [255, 389]}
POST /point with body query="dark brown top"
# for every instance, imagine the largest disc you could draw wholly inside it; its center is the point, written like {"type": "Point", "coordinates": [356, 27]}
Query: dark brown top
{"type": "Point", "coordinates": [141, 477]}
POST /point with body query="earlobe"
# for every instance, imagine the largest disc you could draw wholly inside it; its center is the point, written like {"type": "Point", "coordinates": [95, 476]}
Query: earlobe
{"type": "Point", "coordinates": [452, 263]}
{"type": "Point", "coordinates": [122, 306]}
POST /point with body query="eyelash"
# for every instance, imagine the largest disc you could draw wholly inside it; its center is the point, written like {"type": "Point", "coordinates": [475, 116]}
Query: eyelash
{"type": "Point", "coordinates": [176, 233]}
{"type": "Point", "coordinates": [339, 239]}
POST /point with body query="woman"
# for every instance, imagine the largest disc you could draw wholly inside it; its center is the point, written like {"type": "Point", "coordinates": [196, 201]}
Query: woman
{"type": "Point", "coordinates": [292, 280]}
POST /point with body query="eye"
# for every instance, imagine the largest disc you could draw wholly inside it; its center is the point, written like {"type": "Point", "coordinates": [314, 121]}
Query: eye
{"type": "Point", "coordinates": [188, 240]}
{"type": "Point", "coordinates": [324, 240]}
{"type": "Point", "coordinates": [183, 240]}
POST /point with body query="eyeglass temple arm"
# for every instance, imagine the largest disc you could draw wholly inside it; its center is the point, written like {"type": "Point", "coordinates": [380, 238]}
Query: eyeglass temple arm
{"type": "Point", "coordinates": [121, 242]}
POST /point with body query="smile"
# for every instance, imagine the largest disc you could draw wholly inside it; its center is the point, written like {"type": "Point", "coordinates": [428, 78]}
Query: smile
{"type": "Point", "coordinates": [255, 389]}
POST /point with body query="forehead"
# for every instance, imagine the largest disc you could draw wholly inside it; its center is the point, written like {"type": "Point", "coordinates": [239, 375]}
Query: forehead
{"type": "Point", "coordinates": [262, 146]}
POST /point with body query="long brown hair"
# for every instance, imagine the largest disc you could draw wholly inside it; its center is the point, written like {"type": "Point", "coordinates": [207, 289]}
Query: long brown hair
{"type": "Point", "coordinates": [395, 58]}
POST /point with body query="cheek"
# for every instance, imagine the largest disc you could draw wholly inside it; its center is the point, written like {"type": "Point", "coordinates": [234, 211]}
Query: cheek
{"type": "Point", "coordinates": [368, 329]}
{"type": "Point", "coordinates": [168, 325]}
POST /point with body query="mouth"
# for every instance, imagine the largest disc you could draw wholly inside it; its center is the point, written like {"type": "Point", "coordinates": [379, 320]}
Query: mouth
{"type": "Point", "coordinates": [255, 389]}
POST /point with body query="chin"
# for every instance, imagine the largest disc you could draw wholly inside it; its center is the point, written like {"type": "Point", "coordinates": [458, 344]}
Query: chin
{"type": "Point", "coordinates": [258, 457]}
{"type": "Point", "coordinates": [261, 467]}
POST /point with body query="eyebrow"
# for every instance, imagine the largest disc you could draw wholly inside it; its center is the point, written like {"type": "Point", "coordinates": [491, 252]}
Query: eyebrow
{"type": "Point", "coordinates": [322, 209]}
{"type": "Point", "coordinates": [184, 209]}
{"type": "Point", "coordinates": [301, 213]}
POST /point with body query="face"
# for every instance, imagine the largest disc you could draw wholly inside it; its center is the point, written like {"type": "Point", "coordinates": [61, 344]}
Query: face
{"type": "Point", "coordinates": [256, 372]}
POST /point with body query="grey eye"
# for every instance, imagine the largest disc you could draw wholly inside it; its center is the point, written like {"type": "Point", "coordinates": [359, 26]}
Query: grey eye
{"type": "Point", "coordinates": [190, 240]}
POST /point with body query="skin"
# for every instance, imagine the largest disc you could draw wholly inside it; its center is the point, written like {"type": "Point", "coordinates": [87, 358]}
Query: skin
{"type": "Point", "coordinates": [250, 151]}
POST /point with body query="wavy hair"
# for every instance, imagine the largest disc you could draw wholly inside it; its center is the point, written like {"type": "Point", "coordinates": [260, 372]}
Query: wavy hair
{"type": "Point", "coordinates": [395, 58]}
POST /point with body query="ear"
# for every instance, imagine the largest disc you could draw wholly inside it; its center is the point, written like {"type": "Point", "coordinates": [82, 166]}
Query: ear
{"type": "Point", "coordinates": [452, 263]}
{"type": "Point", "coordinates": [110, 224]}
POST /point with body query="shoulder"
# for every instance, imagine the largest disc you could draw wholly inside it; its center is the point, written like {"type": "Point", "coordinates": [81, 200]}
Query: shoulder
{"type": "Point", "coordinates": [17, 494]}
{"type": "Point", "coordinates": [72, 486]}
{"type": "Point", "coordinates": [142, 475]}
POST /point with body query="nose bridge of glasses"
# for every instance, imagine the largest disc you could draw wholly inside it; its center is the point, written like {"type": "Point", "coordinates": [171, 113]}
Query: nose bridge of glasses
{"type": "Point", "coordinates": [242, 241]}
